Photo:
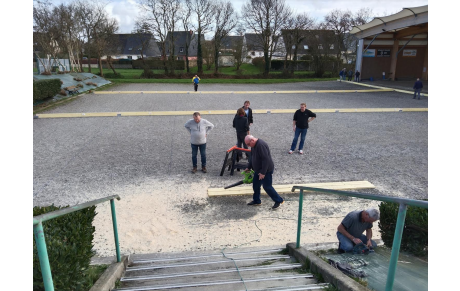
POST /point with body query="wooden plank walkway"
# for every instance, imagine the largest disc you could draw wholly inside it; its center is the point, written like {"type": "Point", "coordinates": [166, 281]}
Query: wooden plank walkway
{"type": "Point", "coordinates": [286, 189]}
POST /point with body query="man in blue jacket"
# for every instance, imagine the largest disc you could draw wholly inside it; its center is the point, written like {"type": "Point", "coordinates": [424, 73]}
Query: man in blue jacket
{"type": "Point", "coordinates": [417, 88]}
{"type": "Point", "coordinates": [262, 164]}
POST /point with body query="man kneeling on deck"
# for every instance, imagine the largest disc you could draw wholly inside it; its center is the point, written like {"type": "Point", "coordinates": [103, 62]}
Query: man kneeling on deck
{"type": "Point", "coordinates": [350, 231]}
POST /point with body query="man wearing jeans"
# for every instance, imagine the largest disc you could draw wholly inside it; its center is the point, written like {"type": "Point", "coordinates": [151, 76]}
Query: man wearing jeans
{"type": "Point", "coordinates": [262, 164]}
{"type": "Point", "coordinates": [300, 126]}
{"type": "Point", "coordinates": [198, 128]}
{"type": "Point", "coordinates": [350, 231]}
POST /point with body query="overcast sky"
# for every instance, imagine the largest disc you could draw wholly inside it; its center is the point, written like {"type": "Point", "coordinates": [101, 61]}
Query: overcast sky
{"type": "Point", "coordinates": [125, 11]}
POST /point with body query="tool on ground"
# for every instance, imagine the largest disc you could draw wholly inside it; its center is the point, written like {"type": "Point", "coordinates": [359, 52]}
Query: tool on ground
{"type": "Point", "coordinates": [248, 176]}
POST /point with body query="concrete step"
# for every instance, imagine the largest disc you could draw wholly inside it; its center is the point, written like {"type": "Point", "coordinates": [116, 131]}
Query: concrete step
{"type": "Point", "coordinates": [251, 269]}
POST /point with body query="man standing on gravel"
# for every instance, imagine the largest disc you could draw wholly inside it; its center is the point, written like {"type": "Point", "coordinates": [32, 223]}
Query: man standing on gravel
{"type": "Point", "coordinates": [195, 81]}
{"type": "Point", "coordinates": [350, 231]}
{"type": "Point", "coordinates": [418, 88]}
{"type": "Point", "coordinates": [198, 128]}
{"type": "Point", "coordinates": [262, 164]}
{"type": "Point", "coordinates": [248, 111]}
{"type": "Point", "coordinates": [300, 126]}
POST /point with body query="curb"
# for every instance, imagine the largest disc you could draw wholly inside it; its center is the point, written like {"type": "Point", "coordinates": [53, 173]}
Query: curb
{"type": "Point", "coordinates": [330, 275]}
{"type": "Point", "coordinates": [113, 273]}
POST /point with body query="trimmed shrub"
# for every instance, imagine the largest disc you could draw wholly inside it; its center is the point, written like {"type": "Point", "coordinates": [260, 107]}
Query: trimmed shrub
{"type": "Point", "coordinates": [259, 62]}
{"type": "Point", "coordinates": [415, 233]}
{"type": "Point", "coordinates": [327, 75]}
{"type": "Point", "coordinates": [46, 88]}
{"type": "Point", "coordinates": [113, 76]}
{"type": "Point", "coordinates": [69, 243]}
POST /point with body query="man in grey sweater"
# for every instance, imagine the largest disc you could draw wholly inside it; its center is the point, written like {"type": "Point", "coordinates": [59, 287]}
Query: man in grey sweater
{"type": "Point", "coordinates": [198, 128]}
{"type": "Point", "coordinates": [262, 163]}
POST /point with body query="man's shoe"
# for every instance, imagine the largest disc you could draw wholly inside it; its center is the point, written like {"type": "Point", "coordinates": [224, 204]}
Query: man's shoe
{"type": "Point", "coordinates": [252, 203]}
{"type": "Point", "coordinates": [290, 152]}
{"type": "Point", "coordinates": [194, 170]}
{"type": "Point", "coordinates": [277, 204]}
{"type": "Point", "coordinates": [301, 152]}
{"type": "Point", "coordinates": [204, 169]}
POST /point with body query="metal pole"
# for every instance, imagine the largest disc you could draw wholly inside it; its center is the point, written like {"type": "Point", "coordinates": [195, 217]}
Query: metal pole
{"type": "Point", "coordinates": [299, 221]}
{"type": "Point", "coordinates": [115, 230]}
{"type": "Point", "coordinates": [43, 256]}
{"type": "Point", "coordinates": [396, 245]}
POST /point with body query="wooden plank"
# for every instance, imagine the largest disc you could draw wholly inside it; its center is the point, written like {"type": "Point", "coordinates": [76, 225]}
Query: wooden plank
{"type": "Point", "coordinates": [286, 189]}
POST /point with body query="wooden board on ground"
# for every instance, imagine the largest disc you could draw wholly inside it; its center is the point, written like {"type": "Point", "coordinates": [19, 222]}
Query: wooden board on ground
{"type": "Point", "coordinates": [286, 189]}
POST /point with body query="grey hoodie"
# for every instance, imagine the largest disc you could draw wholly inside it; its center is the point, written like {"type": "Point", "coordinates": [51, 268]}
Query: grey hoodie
{"type": "Point", "coordinates": [198, 130]}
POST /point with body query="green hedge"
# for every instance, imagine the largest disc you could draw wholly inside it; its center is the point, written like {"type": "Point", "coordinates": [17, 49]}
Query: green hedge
{"type": "Point", "coordinates": [158, 64]}
{"type": "Point", "coordinates": [46, 88]}
{"type": "Point", "coordinates": [300, 65]}
{"type": "Point", "coordinates": [69, 241]}
{"type": "Point", "coordinates": [415, 233]}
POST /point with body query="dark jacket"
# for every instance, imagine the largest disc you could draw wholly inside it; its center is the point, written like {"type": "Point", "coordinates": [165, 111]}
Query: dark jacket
{"type": "Point", "coordinates": [240, 123]}
{"type": "Point", "coordinates": [418, 85]}
{"type": "Point", "coordinates": [357, 73]}
{"type": "Point", "coordinates": [261, 160]}
{"type": "Point", "coordinates": [301, 118]}
{"type": "Point", "coordinates": [249, 115]}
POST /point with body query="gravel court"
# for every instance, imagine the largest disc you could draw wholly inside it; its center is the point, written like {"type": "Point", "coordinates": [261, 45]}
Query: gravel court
{"type": "Point", "coordinates": [163, 102]}
{"type": "Point", "coordinates": [147, 161]}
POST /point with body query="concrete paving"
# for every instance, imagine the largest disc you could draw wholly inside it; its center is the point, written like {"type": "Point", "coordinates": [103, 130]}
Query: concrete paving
{"type": "Point", "coordinates": [403, 85]}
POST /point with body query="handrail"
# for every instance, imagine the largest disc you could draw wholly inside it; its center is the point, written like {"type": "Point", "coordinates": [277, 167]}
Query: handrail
{"type": "Point", "coordinates": [403, 203]}
{"type": "Point", "coordinates": [40, 236]}
{"type": "Point", "coordinates": [64, 211]}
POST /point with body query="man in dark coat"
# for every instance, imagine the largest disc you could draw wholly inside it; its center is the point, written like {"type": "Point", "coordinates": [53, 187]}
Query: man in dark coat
{"type": "Point", "coordinates": [248, 112]}
{"type": "Point", "coordinates": [417, 88]}
{"type": "Point", "coordinates": [240, 123]}
{"type": "Point", "coordinates": [262, 164]}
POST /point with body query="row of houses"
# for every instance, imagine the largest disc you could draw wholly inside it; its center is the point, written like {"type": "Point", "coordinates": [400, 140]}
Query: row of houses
{"type": "Point", "coordinates": [131, 46]}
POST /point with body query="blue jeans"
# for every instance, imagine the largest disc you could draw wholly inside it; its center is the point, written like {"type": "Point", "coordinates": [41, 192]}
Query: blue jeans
{"type": "Point", "coordinates": [267, 184]}
{"type": "Point", "coordinates": [202, 148]}
{"type": "Point", "coordinates": [417, 91]}
{"type": "Point", "coordinates": [302, 132]}
{"type": "Point", "coordinates": [347, 245]}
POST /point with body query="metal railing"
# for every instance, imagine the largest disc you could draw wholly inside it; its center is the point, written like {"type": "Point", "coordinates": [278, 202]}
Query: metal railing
{"type": "Point", "coordinates": [40, 235]}
{"type": "Point", "coordinates": [403, 203]}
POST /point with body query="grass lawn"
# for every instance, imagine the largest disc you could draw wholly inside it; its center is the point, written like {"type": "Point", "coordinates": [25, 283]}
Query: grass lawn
{"type": "Point", "coordinates": [133, 76]}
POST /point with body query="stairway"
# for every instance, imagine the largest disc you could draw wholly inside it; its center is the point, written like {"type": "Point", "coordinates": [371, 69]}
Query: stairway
{"type": "Point", "coordinates": [268, 269]}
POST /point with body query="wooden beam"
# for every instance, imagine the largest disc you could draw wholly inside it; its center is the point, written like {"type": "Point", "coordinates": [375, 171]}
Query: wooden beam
{"type": "Point", "coordinates": [411, 31]}
{"type": "Point", "coordinates": [286, 189]}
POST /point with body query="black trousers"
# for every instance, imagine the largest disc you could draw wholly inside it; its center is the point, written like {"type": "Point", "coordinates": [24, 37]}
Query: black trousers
{"type": "Point", "coordinates": [240, 140]}
{"type": "Point", "coordinates": [196, 87]}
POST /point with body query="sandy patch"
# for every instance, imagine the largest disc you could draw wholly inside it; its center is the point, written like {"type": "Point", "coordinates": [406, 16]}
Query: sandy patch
{"type": "Point", "coordinates": [153, 217]}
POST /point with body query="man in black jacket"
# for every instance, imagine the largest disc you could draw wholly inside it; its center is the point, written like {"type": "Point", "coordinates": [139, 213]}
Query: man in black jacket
{"type": "Point", "coordinates": [248, 111]}
{"type": "Point", "coordinates": [240, 123]}
{"type": "Point", "coordinates": [262, 164]}
{"type": "Point", "coordinates": [300, 126]}
{"type": "Point", "coordinates": [418, 88]}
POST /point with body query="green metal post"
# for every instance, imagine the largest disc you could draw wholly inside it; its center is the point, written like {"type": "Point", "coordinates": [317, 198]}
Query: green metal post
{"type": "Point", "coordinates": [115, 230]}
{"type": "Point", "coordinates": [43, 256]}
{"type": "Point", "coordinates": [396, 245]}
{"type": "Point", "coordinates": [299, 220]}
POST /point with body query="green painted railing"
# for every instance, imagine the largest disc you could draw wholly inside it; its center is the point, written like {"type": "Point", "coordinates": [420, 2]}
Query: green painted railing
{"type": "Point", "coordinates": [403, 203]}
{"type": "Point", "coordinates": [40, 236]}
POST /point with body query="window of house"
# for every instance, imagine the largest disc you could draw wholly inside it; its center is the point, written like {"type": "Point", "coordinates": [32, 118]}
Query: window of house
{"type": "Point", "coordinates": [331, 46]}
{"type": "Point", "coordinates": [139, 49]}
{"type": "Point", "coordinates": [320, 47]}
{"type": "Point", "coordinates": [253, 53]}
{"type": "Point", "coordinates": [305, 47]}
{"type": "Point", "coordinates": [181, 50]}
{"type": "Point", "coordinates": [130, 49]}
{"type": "Point", "coordinates": [293, 47]}
{"type": "Point", "coordinates": [130, 57]}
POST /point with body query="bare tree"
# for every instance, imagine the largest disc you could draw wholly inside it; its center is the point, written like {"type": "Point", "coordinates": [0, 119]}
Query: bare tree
{"type": "Point", "coordinates": [103, 38]}
{"type": "Point", "coordinates": [298, 32]}
{"type": "Point", "coordinates": [204, 12]}
{"type": "Point", "coordinates": [320, 47]}
{"type": "Point", "coordinates": [266, 18]}
{"type": "Point", "coordinates": [186, 15]}
{"type": "Point", "coordinates": [225, 19]}
{"type": "Point", "coordinates": [45, 34]}
{"type": "Point", "coordinates": [208, 53]}
{"type": "Point", "coordinates": [239, 50]}
{"type": "Point", "coordinates": [143, 36]}
{"type": "Point", "coordinates": [163, 17]}
{"type": "Point", "coordinates": [89, 14]}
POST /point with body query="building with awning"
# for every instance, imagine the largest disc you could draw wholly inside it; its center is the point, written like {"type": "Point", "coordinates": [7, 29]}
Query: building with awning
{"type": "Point", "coordinates": [394, 47]}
